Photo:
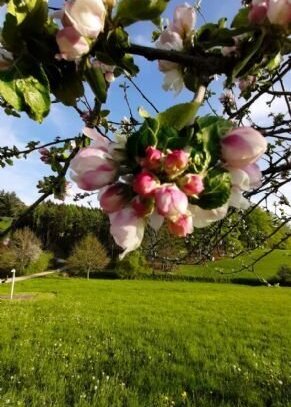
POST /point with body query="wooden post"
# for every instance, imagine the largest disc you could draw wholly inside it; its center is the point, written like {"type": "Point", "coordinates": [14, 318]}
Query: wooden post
{"type": "Point", "coordinates": [13, 271]}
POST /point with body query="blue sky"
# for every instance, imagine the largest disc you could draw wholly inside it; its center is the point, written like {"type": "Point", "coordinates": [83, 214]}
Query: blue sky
{"type": "Point", "coordinates": [64, 122]}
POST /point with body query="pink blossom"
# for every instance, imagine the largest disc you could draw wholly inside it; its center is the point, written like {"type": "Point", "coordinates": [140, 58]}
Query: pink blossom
{"type": "Point", "coordinates": [237, 200]}
{"type": "Point", "coordinates": [113, 197]}
{"type": "Point", "coordinates": [184, 20]}
{"type": "Point", "coordinates": [242, 146]}
{"type": "Point", "coordinates": [99, 141]}
{"type": "Point", "coordinates": [71, 44]}
{"type": "Point", "coordinates": [169, 40]}
{"type": "Point", "coordinates": [239, 179]}
{"type": "Point", "coordinates": [93, 169]}
{"type": "Point", "coordinates": [86, 16]}
{"type": "Point", "coordinates": [145, 183]}
{"type": "Point", "coordinates": [176, 161]}
{"type": "Point", "coordinates": [191, 184]}
{"type": "Point", "coordinates": [153, 158]}
{"type": "Point", "coordinates": [170, 201]}
{"type": "Point", "coordinates": [108, 70]}
{"type": "Point", "coordinates": [182, 226]}
{"type": "Point", "coordinates": [45, 154]}
{"type": "Point", "coordinates": [142, 206]}
{"type": "Point", "coordinates": [127, 229]}
{"type": "Point", "coordinates": [254, 174]}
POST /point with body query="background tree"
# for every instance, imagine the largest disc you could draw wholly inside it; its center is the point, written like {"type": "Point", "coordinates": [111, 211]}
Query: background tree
{"type": "Point", "coordinates": [88, 256]}
{"type": "Point", "coordinates": [10, 204]}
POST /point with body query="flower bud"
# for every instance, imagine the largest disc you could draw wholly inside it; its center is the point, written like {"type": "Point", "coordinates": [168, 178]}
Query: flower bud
{"type": "Point", "coordinates": [279, 12]}
{"type": "Point", "coordinates": [170, 201]}
{"type": "Point", "coordinates": [153, 159]}
{"type": "Point", "coordinates": [191, 184]}
{"type": "Point", "coordinates": [176, 161]}
{"type": "Point", "coordinates": [145, 183]}
{"type": "Point", "coordinates": [182, 226]}
{"type": "Point", "coordinates": [258, 11]}
{"type": "Point", "coordinates": [254, 174]}
{"type": "Point", "coordinates": [113, 197]}
{"type": "Point", "coordinates": [242, 146]}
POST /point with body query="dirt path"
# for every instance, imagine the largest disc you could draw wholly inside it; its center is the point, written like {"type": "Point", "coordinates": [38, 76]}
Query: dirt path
{"type": "Point", "coordinates": [22, 278]}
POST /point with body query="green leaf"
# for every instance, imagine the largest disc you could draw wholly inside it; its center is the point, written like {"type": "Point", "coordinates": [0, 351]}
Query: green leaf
{"type": "Point", "coordinates": [241, 19]}
{"type": "Point", "coordinates": [9, 91]}
{"type": "Point", "coordinates": [178, 116]}
{"type": "Point", "coordinates": [35, 91]}
{"type": "Point", "coordinates": [217, 190]}
{"type": "Point", "coordinates": [168, 137]}
{"type": "Point", "coordinates": [251, 51]}
{"type": "Point", "coordinates": [144, 137]}
{"type": "Point", "coordinates": [97, 82]}
{"type": "Point", "coordinates": [68, 86]}
{"type": "Point", "coordinates": [26, 88]}
{"type": "Point", "coordinates": [31, 12]}
{"type": "Point", "coordinates": [131, 11]}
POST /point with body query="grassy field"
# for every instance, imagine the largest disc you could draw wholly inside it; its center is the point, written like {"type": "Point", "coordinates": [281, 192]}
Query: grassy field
{"type": "Point", "coordinates": [218, 270]}
{"type": "Point", "coordinates": [145, 344]}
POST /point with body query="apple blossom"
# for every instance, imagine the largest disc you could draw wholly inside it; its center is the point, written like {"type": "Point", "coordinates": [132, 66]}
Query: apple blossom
{"type": "Point", "coordinates": [86, 16]}
{"type": "Point", "coordinates": [113, 197]}
{"type": "Point", "coordinates": [108, 70]}
{"type": "Point", "coordinates": [239, 178]}
{"type": "Point", "coordinates": [237, 200]}
{"type": "Point", "coordinates": [279, 12]}
{"type": "Point", "coordinates": [204, 217]}
{"type": "Point", "coordinates": [127, 229]}
{"type": "Point", "coordinates": [71, 44]}
{"type": "Point", "coordinates": [182, 226]}
{"type": "Point", "coordinates": [153, 158]}
{"type": "Point", "coordinates": [242, 146]}
{"type": "Point", "coordinates": [99, 141]}
{"type": "Point", "coordinates": [254, 174]}
{"type": "Point", "coordinates": [184, 20]}
{"type": "Point", "coordinates": [170, 201]}
{"type": "Point", "coordinates": [176, 161]}
{"type": "Point", "coordinates": [191, 184]}
{"type": "Point", "coordinates": [145, 183]}
{"type": "Point", "coordinates": [169, 40]}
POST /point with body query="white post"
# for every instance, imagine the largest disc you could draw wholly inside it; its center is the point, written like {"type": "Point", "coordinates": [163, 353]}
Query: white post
{"type": "Point", "coordinates": [13, 271]}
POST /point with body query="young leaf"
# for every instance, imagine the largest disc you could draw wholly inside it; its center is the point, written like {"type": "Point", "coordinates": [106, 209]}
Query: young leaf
{"type": "Point", "coordinates": [131, 11]}
{"type": "Point", "coordinates": [217, 185]}
{"type": "Point", "coordinates": [178, 116]}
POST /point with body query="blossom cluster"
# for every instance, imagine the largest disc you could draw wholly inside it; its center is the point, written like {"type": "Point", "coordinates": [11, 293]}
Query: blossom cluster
{"type": "Point", "coordinates": [161, 185]}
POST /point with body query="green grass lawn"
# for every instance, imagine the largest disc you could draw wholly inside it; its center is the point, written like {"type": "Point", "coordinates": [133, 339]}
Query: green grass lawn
{"type": "Point", "coordinates": [218, 270]}
{"type": "Point", "coordinates": [145, 344]}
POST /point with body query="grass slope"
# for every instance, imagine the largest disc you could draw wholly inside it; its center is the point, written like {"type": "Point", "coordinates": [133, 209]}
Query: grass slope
{"type": "Point", "coordinates": [217, 271]}
{"type": "Point", "coordinates": [145, 344]}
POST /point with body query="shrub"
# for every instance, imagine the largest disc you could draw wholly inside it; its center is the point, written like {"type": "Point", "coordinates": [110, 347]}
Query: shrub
{"type": "Point", "coordinates": [134, 265]}
{"type": "Point", "coordinates": [284, 275]}
{"type": "Point", "coordinates": [87, 256]}
{"type": "Point", "coordinates": [27, 248]}
{"type": "Point", "coordinates": [41, 264]}
{"type": "Point", "coordinates": [7, 261]}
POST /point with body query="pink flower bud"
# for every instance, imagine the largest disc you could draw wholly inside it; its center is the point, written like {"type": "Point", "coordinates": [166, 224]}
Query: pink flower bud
{"type": "Point", "coordinates": [43, 151]}
{"type": "Point", "coordinates": [145, 183]}
{"type": "Point", "coordinates": [170, 201]}
{"type": "Point", "coordinates": [142, 206]}
{"type": "Point", "coordinates": [153, 159]}
{"type": "Point", "coordinates": [176, 161]}
{"type": "Point", "coordinates": [242, 146]}
{"type": "Point", "coordinates": [71, 44]}
{"type": "Point", "coordinates": [184, 20]}
{"type": "Point", "coordinates": [258, 11]}
{"type": "Point", "coordinates": [182, 226]}
{"type": "Point", "coordinates": [191, 184]}
{"type": "Point", "coordinates": [113, 197]}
